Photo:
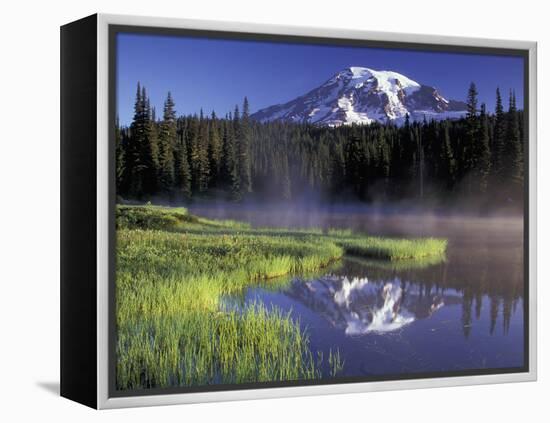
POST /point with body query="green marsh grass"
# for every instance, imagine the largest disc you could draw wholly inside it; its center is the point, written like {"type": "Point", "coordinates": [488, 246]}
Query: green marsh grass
{"type": "Point", "coordinates": [399, 265]}
{"type": "Point", "coordinates": [393, 249]}
{"type": "Point", "coordinates": [173, 270]}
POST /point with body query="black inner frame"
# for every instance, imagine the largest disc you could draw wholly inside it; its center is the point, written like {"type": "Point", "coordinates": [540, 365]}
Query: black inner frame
{"type": "Point", "coordinates": [114, 30]}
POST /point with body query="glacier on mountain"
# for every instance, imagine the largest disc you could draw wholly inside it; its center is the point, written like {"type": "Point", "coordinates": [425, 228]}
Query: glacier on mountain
{"type": "Point", "coordinates": [362, 96]}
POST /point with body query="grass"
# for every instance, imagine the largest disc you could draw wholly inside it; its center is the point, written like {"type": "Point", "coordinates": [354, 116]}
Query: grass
{"type": "Point", "coordinates": [200, 348]}
{"type": "Point", "coordinates": [393, 249]}
{"type": "Point", "coordinates": [173, 269]}
{"type": "Point", "coordinates": [180, 220]}
{"type": "Point", "coordinates": [399, 265]}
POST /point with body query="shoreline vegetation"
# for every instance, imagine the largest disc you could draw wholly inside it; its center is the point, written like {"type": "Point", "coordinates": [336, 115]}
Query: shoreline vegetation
{"type": "Point", "coordinates": [174, 270]}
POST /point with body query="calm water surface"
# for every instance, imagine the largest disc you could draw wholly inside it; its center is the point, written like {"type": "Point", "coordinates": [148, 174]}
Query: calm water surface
{"type": "Point", "coordinates": [465, 312]}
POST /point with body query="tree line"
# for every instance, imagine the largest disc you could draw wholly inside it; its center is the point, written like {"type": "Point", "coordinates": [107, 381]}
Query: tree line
{"type": "Point", "coordinates": [234, 157]}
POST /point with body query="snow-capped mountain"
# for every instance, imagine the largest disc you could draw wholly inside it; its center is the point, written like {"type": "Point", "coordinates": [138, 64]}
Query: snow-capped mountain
{"type": "Point", "coordinates": [363, 95]}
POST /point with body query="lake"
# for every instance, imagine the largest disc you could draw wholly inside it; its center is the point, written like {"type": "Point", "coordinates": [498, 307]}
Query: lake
{"type": "Point", "coordinates": [465, 312]}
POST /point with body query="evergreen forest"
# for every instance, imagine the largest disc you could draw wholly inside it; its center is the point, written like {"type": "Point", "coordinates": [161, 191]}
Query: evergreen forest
{"type": "Point", "coordinates": [477, 159]}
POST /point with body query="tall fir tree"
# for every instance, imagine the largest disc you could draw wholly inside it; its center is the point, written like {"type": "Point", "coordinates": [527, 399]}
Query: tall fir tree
{"type": "Point", "coordinates": [132, 157]}
{"type": "Point", "coordinates": [234, 163]}
{"type": "Point", "coordinates": [470, 151]}
{"type": "Point", "coordinates": [419, 161]}
{"type": "Point", "coordinates": [119, 154]}
{"type": "Point", "coordinates": [448, 162]}
{"type": "Point", "coordinates": [513, 146]}
{"type": "Point", "coordinates": [183, 170]}
{"type": "Point", "coordinates": [215, 150]}
{"type": "Point", "coordinates": [203, 160]}
{"type": "Point", "coordinates": [483, 153]}
{"type": "Point", "coordinates": [471, 102]}
{"type": "Point", "coordinates": [142, 177]}
{"type": "Point", "coordinates": [154, 141]}
{"type": "Point", "coordinates": [355, 157]}
{"type": "Point", "coordinates": [167, 144]}
{"type": "Point", "coordinates": [193, 146]}
{"type": "Point", "coordinates": [228, 153]}
{"type": "Point", "coordinates": [244, 140]}
{"type": "Point", "coordinates": [337, 168]}
{"type": "Point", "coordinates": [148, 148]}
{"type": "Point", "coordinates": [499, 141]}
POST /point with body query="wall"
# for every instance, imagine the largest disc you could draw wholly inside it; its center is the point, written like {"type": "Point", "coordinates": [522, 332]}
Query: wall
{"type": "Point", "coordinates": [29, 175]}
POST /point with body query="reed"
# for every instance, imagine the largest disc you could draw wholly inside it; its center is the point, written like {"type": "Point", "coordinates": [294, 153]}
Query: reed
{"type": "Point", "coordinates": [173, 270]}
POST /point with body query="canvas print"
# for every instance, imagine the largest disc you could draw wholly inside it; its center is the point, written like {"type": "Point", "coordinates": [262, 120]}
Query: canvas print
{"type": "Point", "coordinates": [294, 211]}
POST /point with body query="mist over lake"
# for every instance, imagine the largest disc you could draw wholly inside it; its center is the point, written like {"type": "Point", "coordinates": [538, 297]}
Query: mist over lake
{"type": "Point", "coordinates": [463, 312]}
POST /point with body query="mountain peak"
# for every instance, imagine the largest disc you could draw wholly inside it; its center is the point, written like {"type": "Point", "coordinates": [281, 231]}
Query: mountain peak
{"type": "Point", "coordinates": [363, 73]}
{"type": "Point", "coordinates": [358, 71]}
{"type": "Point", "coordinates": [363, 95]}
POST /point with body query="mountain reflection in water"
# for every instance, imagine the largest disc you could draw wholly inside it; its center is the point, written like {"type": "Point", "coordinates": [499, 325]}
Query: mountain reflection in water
{"type": "Point", "coordinates": [461, 312]}
{"type": "Point", "coordinates": [359, 306]}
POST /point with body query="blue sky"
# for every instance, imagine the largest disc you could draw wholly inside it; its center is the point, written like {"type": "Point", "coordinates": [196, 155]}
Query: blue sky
{"type": "Point", "coordinates": [215, 74]}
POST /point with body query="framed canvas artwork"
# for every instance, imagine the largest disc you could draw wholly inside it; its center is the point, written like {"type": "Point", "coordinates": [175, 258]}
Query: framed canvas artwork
{"type": "Point", "coordinates": [254, 211]}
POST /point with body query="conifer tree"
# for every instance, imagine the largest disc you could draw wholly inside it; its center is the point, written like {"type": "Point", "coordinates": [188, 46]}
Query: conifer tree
{"type": "Point", "coordinates": [235, 164]}
{"type": "Point", "coordinates": [244, 149]}
{"type": "Point", "coordinates": [355, 160]}
{"type": "Point", "coordinates": [418, 161]}
{"type": "Point", "coordinates": [142, 176]}
{"type": "Point", "coordinates": [192, 143]}
{"type": "Point", "coordinates": [154, 143]}
{"type": "Point", "coordinates": [184, 170]}
{"type": "Point", "coordinates": [448, 162]}
{"type": "Point", "coordinates": [120, 154]}
{"type": "Point", "coordinates": [469, 162]}
{"type": "Point", "coordinates": [149, 148]}
{"type": "Point", "coordinates": [167, 142]}
{"type": "Point", "coordinates": [132, 151]}
{"type": "Point", "coordinates": [471, 103]}
{"type": "Point", "coordinates": [498, 151]}
{"type": "Point", "coordinates": [384, 154]}
{"type": "Point", "coordinates": [202, 149]}
{"type": "Point", "coordinates": [513, 146]}
{"type": "Point", "coordinates": [337, 167]}
{"type": "Point", "coordinates": [227, 152]}
{"type": "Point", "coordinates": [483, 153]}
{"type": "Point", "coordinates": [215, 149]}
